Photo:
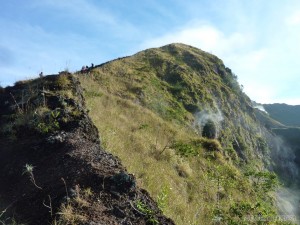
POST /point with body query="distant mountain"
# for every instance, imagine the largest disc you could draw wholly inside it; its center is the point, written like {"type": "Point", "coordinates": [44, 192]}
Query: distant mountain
{"type": "Point", "coordinates": [267, 120]}
{"type": "Point", "coordinates": [288, 115]}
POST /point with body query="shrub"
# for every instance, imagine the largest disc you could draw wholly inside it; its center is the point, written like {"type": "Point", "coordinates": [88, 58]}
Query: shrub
{"type": "Point", "coordinates": [262, 145]}
{"type": "Point", "coordinates": [209, 130]}
{"type": "Point", "coordinates": [211, 145]}
{"type": "Point", "coordinates": [185, 149]}
{"type": "Point", "coordinates": [62, 81]}
{"type": "Point", "coordinates": [49, 124]}
{"type": "Point", "coordinates": [231, 153]}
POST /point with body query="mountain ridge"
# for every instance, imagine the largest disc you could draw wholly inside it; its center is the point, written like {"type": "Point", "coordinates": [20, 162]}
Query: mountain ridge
{"type": "Point", "coordinates": [284, 113]}
{"type": "Point", "coordinates": [186, 88]}
{"type": "Point", "coordinates": [178, 120]}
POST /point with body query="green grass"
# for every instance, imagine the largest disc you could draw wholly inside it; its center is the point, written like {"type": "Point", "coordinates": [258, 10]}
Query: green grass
{"type": "Point", "coordinates": [148, 111]}
{"type": "Point", "coordinates": [147, 115]}
{"type": "Point", "coordinates": [202, 180]}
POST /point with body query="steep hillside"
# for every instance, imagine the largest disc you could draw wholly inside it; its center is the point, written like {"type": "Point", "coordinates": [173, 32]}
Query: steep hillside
{"type": "Point", "coordinates": [178, 119]}
{"type": "Point", "coordinates": [53, 170]}
{"type": "Point", "coordinates": [285, 114]}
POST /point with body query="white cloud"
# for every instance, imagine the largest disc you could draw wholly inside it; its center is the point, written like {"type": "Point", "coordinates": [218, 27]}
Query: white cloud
{"type": "Point", "coordinates": [293, 19]}
{"type": "Point", "coordinates": [205, 37]}
{"type": "Point", "coordinates": [265, 69]}
{"type": "Point", "coordinates": [249, 61]}
{"type": "Point", "coordinates": [257, 41]}
{"type": "Point", "coordinates": [236, 50]}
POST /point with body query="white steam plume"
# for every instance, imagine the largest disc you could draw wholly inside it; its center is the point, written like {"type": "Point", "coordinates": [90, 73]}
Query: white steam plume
{"type": "Point", "coordinates": [206, 115]}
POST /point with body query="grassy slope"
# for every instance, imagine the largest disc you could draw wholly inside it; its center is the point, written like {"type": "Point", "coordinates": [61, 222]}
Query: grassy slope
{"type": "Point", "coordinates": [146, 108]}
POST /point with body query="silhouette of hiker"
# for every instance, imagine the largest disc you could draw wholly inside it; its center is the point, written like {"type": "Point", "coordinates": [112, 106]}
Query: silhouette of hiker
{"type": "Point", "coordinates": [83, 70]}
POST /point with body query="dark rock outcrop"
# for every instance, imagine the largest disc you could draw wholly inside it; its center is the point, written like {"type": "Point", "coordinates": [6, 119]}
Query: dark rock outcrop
{"type": "Point", "coordinates": [52, 165]}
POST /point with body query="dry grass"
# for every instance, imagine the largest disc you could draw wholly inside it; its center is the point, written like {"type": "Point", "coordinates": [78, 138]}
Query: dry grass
{"type": "Point", "coordinates": [138, 136]}
{"type": "Point", "coordinates": [72, 212]}
{"type": "Point", "coordinates": [68, 215]}
{"type": "Point", "coordinates": [183, 168]}
{"type": "Point", "coordinates": [142, 140]}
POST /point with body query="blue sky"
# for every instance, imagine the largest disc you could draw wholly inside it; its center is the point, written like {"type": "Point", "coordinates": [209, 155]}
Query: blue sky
{"type": "Point", "coordinates": [257, 39]}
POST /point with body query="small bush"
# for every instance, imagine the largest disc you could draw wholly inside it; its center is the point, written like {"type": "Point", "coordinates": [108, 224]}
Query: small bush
{"type": "Point", "coordinates": [162, 197]}
{"type": "Point", "coordinates": [230, 152]}
{"type": "Point", "coordinates": [49, 123]}
{"type": "Point", "coordinates": [211, 145]}
{"type": "Point", "coordinates": [62, 81]}
{"type": "Point", "coordinates": [209, 130]}
{"type": "Point", "coordinates": [262, 145]}
{"type": "Point", "coordinates": [185, 149]}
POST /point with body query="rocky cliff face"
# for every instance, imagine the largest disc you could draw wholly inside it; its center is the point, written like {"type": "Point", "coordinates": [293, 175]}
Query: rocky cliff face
{"type": "Point", "coordinates": [53, 169]}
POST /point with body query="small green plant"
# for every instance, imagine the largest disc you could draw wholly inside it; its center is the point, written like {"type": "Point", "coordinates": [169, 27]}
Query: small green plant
{"type": "Point", "coordinates": [144, 209]}
{"type": "Point", "coordinates": [55, 114]}
{"type": "Point", "coordinates": [153, 221]}
{"type": "Point", "coordinates": [262, 145]}
{"type": "Point", "coordinates": [185, 149]}
{"type": "Point", "coordinates": [62, 80]}
{"type": "Point", "coordinates": [162, 198]}
{"type": "Point", "coordinates": [43, 128]}
{"type": "Point", "coordinates": [51, 123]}
{"type": "Point", "coordinates": [143, 126]}
{"type": "Point", "coordinates": [29, 170]}
{"type": "Point", "coordinates": [93, 94]}
{"type": "Point", "coordinates": [265, 180]}
{"type": "Point", "coordinates": [230, 152]}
